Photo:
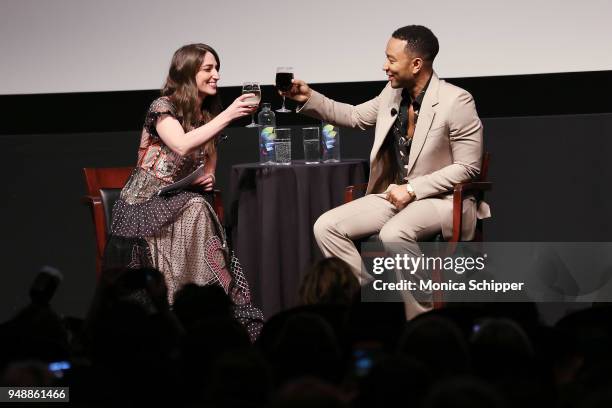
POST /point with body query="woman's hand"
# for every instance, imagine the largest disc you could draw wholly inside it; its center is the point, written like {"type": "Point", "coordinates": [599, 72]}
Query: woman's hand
{"type": "Point", "coordinates": [240, 108]}
{"type": "Point", "coordinates": [207, 181]}
{"type": "Point", "coordinates": [299, 92]}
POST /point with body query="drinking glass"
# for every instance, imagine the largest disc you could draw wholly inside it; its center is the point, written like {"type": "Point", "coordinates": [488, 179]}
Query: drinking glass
{"type": "Point", "coordinates": [312, 151]}
{"type": "Point", "coordinates": [284, 76]}
{"type": "Point", "coordinates": [283, 146]}
{"type": "Point", "coordinates": [252, 87]}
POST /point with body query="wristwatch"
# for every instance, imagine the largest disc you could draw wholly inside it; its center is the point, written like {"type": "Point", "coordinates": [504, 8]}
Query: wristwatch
{"type": "Point", "coordinates": [410, 190]}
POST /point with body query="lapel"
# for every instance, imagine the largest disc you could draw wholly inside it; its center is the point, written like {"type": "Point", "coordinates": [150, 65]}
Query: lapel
{"type": "Point", "coordinates": [426, 116]}
{"type": "Point", "coordinates": [385, 120]}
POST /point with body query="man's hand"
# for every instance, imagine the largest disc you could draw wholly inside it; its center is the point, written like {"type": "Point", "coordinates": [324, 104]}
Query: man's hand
{"type": "Point", "coordinates": [299, 92]}
{"type": "Point", "coordinates": [207, 181]}
{"type": "Point", "coordinates": [399, 196]}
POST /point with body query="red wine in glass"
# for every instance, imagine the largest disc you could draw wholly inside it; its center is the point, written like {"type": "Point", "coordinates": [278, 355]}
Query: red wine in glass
{"type": "Point", "coordinates": [284, 76]}
{"type": "Point", "coordinates": [283, 81]}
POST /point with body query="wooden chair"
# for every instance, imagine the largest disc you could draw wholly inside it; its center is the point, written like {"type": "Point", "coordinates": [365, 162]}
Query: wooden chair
{"type": "Point", "coordinates": [460, 192]}
{"type": "Point", "coordinates": [103, 188]}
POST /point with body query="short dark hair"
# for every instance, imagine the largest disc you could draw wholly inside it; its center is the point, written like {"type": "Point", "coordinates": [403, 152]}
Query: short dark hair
{"type": "Point", "coordinates": [420, 40]}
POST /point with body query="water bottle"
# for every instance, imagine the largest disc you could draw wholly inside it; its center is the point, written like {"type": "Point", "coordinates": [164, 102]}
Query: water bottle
{"type": "Point", "coordinates": [267, 134]}
{"type": "Point", "coordinates": [330, 142]}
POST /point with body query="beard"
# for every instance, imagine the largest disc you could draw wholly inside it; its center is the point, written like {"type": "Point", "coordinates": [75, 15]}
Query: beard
{"type": "Point", "coordinates": [400, 83]}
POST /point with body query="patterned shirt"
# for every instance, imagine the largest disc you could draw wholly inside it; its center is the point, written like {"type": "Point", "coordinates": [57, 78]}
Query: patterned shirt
{"type": "Point", "coordinates": [399, 131]}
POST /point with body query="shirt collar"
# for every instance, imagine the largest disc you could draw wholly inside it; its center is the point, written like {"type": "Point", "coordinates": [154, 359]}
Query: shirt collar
{"type": "Point", "coordinates": [416, 104]}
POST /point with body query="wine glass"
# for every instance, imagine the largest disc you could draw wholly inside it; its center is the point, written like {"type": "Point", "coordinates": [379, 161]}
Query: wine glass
{"type": "Point", "coordinates": [252, 88]}
{"type": "Point", "coordinates": [284, 76]}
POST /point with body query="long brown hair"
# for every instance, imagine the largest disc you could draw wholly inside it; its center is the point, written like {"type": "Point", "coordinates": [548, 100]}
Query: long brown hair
{"type": "Point", "coordinates": [330, 281]}
{"type": "Point", "coordinates": [181, 88]}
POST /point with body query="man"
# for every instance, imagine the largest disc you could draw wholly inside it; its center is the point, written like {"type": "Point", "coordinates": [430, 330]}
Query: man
{"type": "Point", "coordinates": [428, 138]}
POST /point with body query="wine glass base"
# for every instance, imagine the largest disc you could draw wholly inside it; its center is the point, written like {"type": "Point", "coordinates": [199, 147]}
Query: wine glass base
{"type": "Point", "coordinates": [284, 110]}
{"type": "Point", "coordinates": [252, 125]}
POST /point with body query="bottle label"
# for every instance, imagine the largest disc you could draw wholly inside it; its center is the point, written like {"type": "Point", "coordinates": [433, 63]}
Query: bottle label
{"type": "Point", "coordinates": [266, 143]}
{"type": "Point", "coordinates": [329, 136]}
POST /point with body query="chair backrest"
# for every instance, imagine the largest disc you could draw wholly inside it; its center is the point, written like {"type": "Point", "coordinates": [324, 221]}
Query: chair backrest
{"type": "Point", "coordinates": [105, 184]}
{"type": "Point", "coordinates": [109, 197]}
{"type": "Point", "coordinates": [105, 177]}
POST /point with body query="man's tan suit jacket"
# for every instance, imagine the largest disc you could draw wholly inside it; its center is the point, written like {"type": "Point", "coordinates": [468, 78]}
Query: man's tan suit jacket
{"type": "Point", "coordinates": [446, 148]}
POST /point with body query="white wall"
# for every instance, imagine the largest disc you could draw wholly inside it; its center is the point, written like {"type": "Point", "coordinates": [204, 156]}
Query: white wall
{"type": "Point", "coordinates": [51, 46]}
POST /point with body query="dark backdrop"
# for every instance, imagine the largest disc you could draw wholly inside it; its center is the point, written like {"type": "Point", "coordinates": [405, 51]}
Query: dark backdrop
{"type": "Point", "coordinates": [550, 167]}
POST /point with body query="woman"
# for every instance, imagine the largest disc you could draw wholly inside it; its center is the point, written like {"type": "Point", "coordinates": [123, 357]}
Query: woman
{"type": "Point", "coordinates": [179, 234]}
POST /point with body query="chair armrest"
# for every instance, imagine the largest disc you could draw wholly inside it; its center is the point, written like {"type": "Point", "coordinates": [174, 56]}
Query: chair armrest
{"type": "Point", "coordinates": [459, 193]}
{"type": "Point", "coordinates": [91, 200]}
{"type": "Point", "coordinates": [472, 187]}
{"type": "Point", "coordinates": [349, 191]}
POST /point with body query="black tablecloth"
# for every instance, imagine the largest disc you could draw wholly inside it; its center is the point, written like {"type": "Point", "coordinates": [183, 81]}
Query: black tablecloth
{"type": "Point", "coordinates": [271, 217]}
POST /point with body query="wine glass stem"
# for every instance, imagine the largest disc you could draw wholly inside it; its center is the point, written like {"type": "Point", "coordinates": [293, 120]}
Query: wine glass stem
{"type": "Point", "coordinates": [252, 119]}
{"type": "Point", "coordinates": [283, 102]}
